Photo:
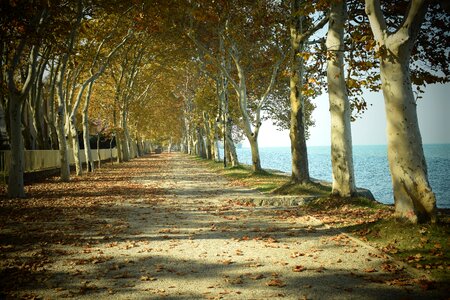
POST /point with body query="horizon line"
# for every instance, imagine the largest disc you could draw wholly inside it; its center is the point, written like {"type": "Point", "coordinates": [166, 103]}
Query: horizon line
{"type": "Point", "coordinates": [284, 146]}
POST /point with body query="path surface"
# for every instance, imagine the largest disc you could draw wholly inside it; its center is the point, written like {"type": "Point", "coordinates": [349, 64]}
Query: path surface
{"type": "Point", "coordinates": [192, 241]}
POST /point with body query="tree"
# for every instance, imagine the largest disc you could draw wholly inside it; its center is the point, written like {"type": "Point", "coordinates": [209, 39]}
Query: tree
{"type": "Point", "coordinates": [301, 29]}
{"type": "Point", "coordinates": [413, 196]}
{"type": "Point", "coordinates": [62, 107]}
{"type": "Point", "coordinates": [341, 138]}
{"type": "Point", "coordinates": [24, 47]}
{"type": "Point", "coordinates": [260, 49]}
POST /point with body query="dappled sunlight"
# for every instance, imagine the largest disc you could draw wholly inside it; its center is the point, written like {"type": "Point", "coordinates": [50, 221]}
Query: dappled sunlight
{"type": "Point", "coordinates": [170, 228]}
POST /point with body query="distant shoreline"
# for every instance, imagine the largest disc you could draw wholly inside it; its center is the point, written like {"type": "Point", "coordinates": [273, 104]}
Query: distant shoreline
{"type": "Point", "coordinates": [368, 145]}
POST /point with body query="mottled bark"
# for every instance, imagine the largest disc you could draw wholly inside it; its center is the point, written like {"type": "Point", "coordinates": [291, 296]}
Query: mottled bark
{"type": "Point", "coordinates": [300, 169]}
{"type": "Point", "coordinates": [341, 137]}
{"type": "Point", "coordinates": [15, 178]}
{"type": "Point", "coordinates": [207, 135]}
{"type": "Point", "coordinates": [86, 136]}
{"type": "Point", "coordinates": [413, 196]}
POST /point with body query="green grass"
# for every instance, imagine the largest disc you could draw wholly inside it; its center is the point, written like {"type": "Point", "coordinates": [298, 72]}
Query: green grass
{"type": "Point", "coordinates": [243, 175]}
{"type": "Point", "coordinates": [291, 188]}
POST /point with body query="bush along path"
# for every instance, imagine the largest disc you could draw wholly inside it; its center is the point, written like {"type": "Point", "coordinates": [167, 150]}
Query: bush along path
{"type": "Point", "coordinates": [166, 226]}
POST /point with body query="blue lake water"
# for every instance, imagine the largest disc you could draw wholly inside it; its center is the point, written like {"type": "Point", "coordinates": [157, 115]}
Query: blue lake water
{"type": "Point", "coordinates": [371, 167]}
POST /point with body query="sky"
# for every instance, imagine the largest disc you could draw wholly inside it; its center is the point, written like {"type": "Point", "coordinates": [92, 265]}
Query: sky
{"type": "Point", "coordinates": [433, 113]}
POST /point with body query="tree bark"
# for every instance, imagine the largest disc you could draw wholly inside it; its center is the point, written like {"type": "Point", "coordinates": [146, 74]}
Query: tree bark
{"type": "Point", "coordinates": [15, 179]}
{"type": "Point", "coordinates": [51, 119]}
{"type": "Point", "coordinates": [124, 137]}
{"type": "Point", "coordinates": [216, 142]}
{"type": "Point", "coordinates": [75, 145]}
{"type": "Point", "coordinates": [60, 120]}
{"type": "Point", "coordinates": [16, 99]}
{"type": "Point", "coordinates": [256, 161]}
{"type": "Point", "coordinates": [86, 136]}
{"type": "Point", "coordinates": [62, 109]}
{"type": "Point", "coordinates": [231, 148]}
{"type": "Point", "coordinates": [207, 135]}
{"type": "Point", "coordinates": [413, 196]}
{"type": "Point", "coordinates": [300, 169]}
{"type": "Point", "coordinates": [341, 137]}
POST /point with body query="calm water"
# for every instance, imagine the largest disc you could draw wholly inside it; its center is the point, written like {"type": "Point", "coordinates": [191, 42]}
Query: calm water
{"type": "Point", "coordinates": [371, 167]}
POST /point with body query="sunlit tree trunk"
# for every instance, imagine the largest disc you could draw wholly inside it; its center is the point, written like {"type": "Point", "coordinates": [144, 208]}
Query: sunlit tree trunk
{"type": "Point", "coordinates": [216, 152]}
{"type": "Point", "coordinates": [230, 148]}
{"type": "Point", "coordinates": [62, 109]}
{"type": "Point", "coordinates": [75, 145]}
{"type": "Point", "coordinates": [50, 115]}
{"type": "Point", "coordinates": [207, 135]}
{"type": "Point", "coordinates": [413, 196]}
{"type": "Point", "coordinates": [60, 129]}
{"type": "Point", "coordinates": [341, 137]}
{"type": "Point", "coordinates": [86, 137]}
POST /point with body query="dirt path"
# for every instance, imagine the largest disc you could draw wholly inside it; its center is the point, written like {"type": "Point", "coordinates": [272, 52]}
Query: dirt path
{"type": "Point", "coordinates": [178, 233]}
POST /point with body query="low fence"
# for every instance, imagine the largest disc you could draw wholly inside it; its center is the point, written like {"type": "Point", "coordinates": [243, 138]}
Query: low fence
{"type": "Point", "coordinates": [41, 160]}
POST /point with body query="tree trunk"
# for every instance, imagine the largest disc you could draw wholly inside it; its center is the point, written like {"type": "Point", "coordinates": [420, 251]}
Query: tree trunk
{"type": "Point", "coordinates": [300, 170]}
{"type": "Point", "coordinates": [256, 161]}
{"type": "Point", "coordinates": [216, 142]}
{"type": "Point", "coordinates": [98, 152]}
{"type": "Point", "coordinates": [87, 145]}
{"type": "Point", "coordinates": [75, 145]}
{"type": "Point", "coordinates": [28, 131]}
{"type": "Point", "coordinates": [207, 135]}
{"type": "Point", "coordinates": [86, 136]}
{"type": "Point", "coordinates": [231, 148]}
{"type": "Point", "coordinates": [124, 137]}
{"type": "Point", "coordinates": [341, 137]}
{"type": "Point", "coordinates": [140, 149]}
{"type": "Point", "coordinates": [15, 179]}
{"type": "Point", "coordinates": [413, 196]}
{"type": "Point", "coordinates": [60, 119]}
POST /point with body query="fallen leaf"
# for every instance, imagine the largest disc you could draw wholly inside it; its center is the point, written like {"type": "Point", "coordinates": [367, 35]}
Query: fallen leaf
{"type": "Point", "coordinates": [297, 254]}
{"type": "Point", "coordinates": [370, 270]}
{"type": "Point", "coordinates": [257, 277]}
{"type": "Point", "coordinates": [298, 269]}
{"type": "Point", "coordinates": [276, 282]}
{"type": "Point", "coordinates": [227, 262]}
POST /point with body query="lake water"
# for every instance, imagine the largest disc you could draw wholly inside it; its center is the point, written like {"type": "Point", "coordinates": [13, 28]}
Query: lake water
{"type": "Point", "coordinates": [371, 167]}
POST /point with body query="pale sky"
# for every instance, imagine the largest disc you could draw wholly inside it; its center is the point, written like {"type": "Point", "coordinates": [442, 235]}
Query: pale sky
{"type": "Point", "coordinates": [433, 112]}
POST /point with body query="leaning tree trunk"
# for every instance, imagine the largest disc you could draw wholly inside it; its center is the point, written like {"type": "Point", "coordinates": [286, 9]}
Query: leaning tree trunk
{"type": "Point", "coordinates": [413, 196]}
{"type": "Point", "coordinates": [341, 137]}
{"type": "Point", "coordinates": [16, 167]}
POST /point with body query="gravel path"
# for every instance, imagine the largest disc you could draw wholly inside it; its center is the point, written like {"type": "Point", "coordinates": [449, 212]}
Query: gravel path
{"type": "Point", "coordinates": [194, 241]}
{"type": "Point", "coordinates": [207, 246]}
